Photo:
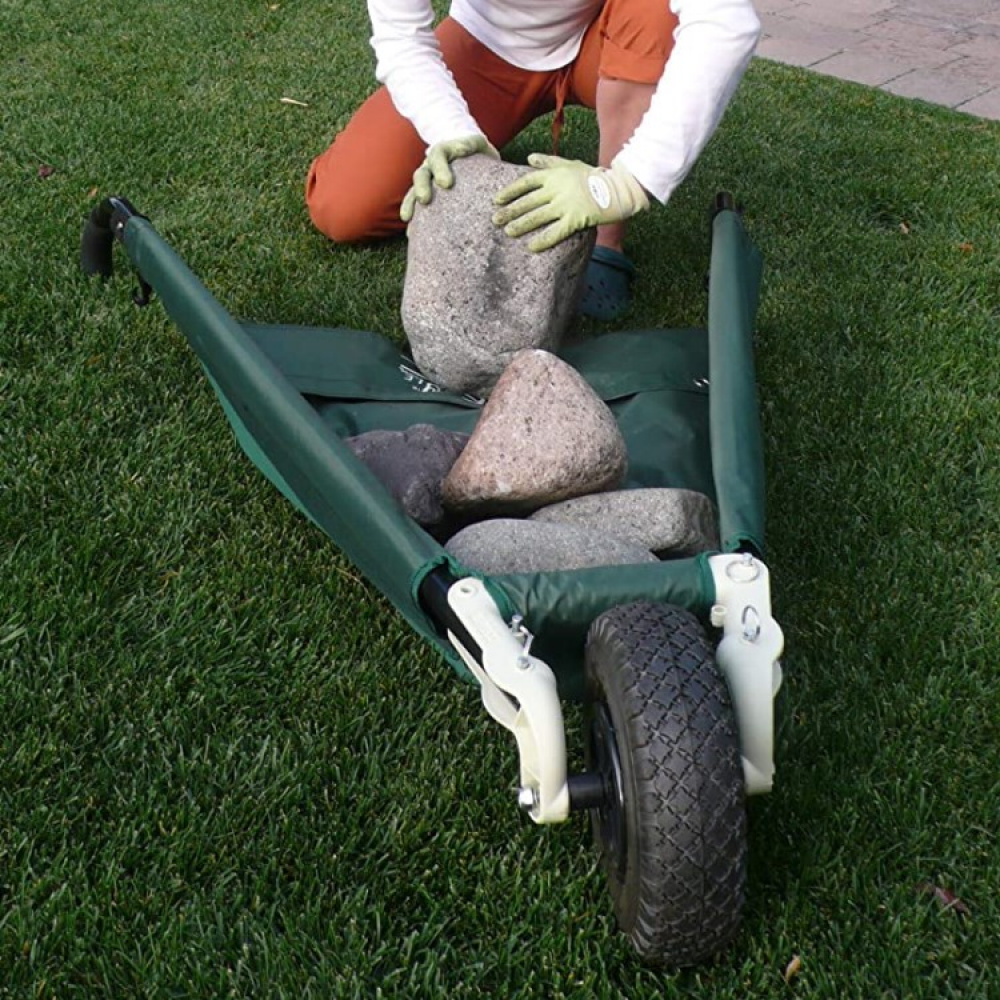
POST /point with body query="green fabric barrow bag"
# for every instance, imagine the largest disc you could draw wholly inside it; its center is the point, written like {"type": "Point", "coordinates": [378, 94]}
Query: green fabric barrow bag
{"type": "Point", "coordinates": [685, 400]}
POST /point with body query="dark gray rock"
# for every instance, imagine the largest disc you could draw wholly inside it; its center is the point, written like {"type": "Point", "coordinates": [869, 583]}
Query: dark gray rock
{"type": "Point", "coordinates": [543, 436]}
{"type": "Point", "coordinates": [669, 522]}
{"type": "Point", "coordinates": [474, 296]}
{"type": "Point", "coordinates": [412, 465]}
{"type": "Point", "coordinates": [511, 545]}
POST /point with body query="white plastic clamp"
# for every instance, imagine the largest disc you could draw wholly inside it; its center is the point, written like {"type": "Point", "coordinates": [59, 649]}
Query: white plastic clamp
{"type": "Point", "coordinates": [748, 655]}
{"type": "Point", "coordinates": [519, 691]}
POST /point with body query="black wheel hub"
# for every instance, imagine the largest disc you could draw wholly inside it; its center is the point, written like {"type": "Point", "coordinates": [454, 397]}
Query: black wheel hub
{"type": "Point", "coordinates": [609, 819]}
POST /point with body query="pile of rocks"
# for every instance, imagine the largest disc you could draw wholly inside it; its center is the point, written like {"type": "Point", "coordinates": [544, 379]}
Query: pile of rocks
{"type": "Point", "coordinates": [537, 485]}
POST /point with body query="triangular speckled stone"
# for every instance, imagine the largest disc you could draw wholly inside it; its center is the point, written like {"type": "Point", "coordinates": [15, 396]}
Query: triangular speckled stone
{"type": "Point", "coordinates": [543, 436]}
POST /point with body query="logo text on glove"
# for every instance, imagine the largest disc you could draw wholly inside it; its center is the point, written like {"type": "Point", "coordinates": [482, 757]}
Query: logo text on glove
{"type": "Point", "coordinates": [600, 190]}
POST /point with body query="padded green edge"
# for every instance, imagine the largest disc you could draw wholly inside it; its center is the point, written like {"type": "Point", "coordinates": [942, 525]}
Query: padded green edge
{"type": "Point", "coordinates": [285, 438]}
{"type": "Point", "coordinates": [737, 449]}
{"type": "Point", "coordinates": [566, 603]}
{"type": "Point", "coordinates": [422, 624]}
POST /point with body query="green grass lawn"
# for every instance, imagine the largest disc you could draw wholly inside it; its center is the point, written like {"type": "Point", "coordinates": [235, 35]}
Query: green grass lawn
{"type": "Point", "coordinates": [227, 768]}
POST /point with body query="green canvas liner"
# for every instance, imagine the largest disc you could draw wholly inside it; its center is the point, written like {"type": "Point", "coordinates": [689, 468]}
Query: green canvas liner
{"type": "Point", "coordinates": [685, 400]}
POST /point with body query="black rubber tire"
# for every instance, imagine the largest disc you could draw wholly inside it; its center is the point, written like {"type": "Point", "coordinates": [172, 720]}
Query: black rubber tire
{"type": "Point", "coordinates": [675, 857]}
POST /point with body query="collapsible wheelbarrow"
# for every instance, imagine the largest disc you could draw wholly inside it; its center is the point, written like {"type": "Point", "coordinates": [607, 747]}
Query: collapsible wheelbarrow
{"type": "Point", "coordinates": [676, 661]}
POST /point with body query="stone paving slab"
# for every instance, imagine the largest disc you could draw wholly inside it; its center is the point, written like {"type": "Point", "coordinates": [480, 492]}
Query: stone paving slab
{"type": "Point", "coordinates": [985, 106]}
{"type": "Point", "coordinates": [860, 67]}
{"type": "Point", "coordinates": [764, 7]}
{"type": "Point", "coordinates": [793, 52]}
{"type": "Point", "coordinates": [981, 47]}
{"type": "Point", "coordinates": [791, 27]}
{"type": "Point", "coordinates": [856, 18]}
{"type": "Point", "coordinates": [935, 87]}
{"type": "Point", "coordinates": [920, 36]}
{"type": "Point", "coordinates": [953, 8]}
{"type": "Point", "coordinates": [987, 72]}
{"type": "Point", "coordinates": [914, 55]}
{"type": "Point", "coordinates": [945, 52]}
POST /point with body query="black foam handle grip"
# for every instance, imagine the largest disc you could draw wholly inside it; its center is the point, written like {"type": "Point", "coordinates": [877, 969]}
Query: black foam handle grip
{"type": "Point", "coordinates": [97, 240]}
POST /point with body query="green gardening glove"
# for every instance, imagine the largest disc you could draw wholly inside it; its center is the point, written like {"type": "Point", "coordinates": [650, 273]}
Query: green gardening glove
{"type": "Point", "coordinates": [566, 196]}
{"type": "Point", "coordinates": [436, 169]}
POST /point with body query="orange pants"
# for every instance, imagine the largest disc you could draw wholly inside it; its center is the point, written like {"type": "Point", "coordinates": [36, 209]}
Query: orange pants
{"type": "Point", "coordinates": [355, 188]}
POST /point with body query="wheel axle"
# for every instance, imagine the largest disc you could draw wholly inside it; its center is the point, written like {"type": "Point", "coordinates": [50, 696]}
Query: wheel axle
{"type": "Point", "coordinates": [587, 791]}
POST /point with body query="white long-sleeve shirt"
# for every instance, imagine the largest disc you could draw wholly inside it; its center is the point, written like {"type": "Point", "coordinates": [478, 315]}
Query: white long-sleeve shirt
{"type": "Point", "coordinates": [713, 43]}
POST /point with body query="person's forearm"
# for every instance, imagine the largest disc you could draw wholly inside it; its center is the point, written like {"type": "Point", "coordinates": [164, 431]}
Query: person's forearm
{"type": "Point", "coordinates": [409, 63]}
{"type": "Point", "coordinates": [714, 42]}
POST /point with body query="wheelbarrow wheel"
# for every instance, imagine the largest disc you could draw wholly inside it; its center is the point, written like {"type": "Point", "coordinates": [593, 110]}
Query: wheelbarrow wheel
{"type": "Point", "coordinates": [662, 734]}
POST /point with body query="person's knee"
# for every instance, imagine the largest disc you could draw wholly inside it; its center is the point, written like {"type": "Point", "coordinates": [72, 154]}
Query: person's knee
{"type": "Point", "coordinates": [338, 217]}
{"type": "Point", "coordinates": [352, 203]}
{"type": "Point", "coordinates": [337, 221]}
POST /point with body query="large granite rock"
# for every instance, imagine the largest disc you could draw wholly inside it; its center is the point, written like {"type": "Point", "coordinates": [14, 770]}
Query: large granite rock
{"type": "Point", "coordinates": [473, 296]}
{"type": "Point", "coordinates": [412, 464]}
{"type": "Point", "coordinates": [511, 545]}
{"type": "Point", "coordinates": [543, 436]}
{"type": "Point", "coordinates": [669, 522]}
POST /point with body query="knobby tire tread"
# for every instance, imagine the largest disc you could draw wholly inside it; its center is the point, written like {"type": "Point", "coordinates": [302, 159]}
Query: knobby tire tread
{"type": "Point", "coordinates": [681, 898]}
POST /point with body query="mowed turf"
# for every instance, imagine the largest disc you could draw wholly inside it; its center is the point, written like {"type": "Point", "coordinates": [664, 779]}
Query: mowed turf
{"type": "Point", "coordinates": [227, 768]}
